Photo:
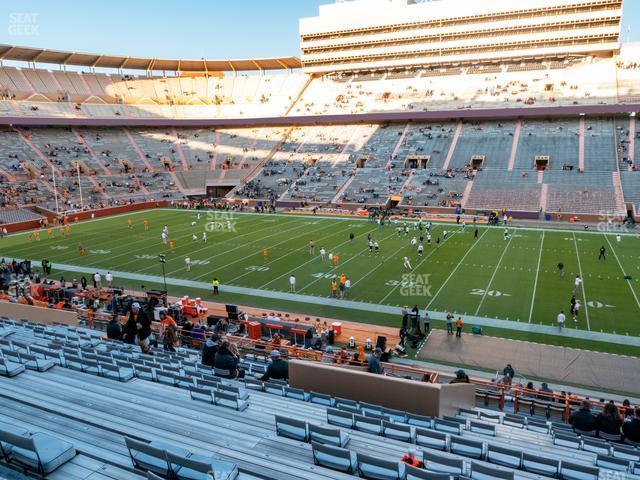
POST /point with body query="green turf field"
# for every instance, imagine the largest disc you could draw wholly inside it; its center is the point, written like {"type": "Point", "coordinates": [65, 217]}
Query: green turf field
{"type": "Point", "coordinates": [511, 279]}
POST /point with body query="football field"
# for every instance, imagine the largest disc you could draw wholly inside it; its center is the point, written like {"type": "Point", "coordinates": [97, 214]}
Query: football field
{"type": "Point", "coordinates": [511, 278]}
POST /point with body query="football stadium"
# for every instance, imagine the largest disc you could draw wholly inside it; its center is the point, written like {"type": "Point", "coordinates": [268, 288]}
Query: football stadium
{"type": "Point", "coordinates": [403, 248]}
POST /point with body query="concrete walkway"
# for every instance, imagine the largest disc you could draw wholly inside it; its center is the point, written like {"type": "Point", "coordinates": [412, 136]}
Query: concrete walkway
{"type": "Point", "coordinates": [367, 307]}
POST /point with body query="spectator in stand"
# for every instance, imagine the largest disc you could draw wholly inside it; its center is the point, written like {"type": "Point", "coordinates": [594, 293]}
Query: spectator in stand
{"type": "Point", "coordinates": [546, 392]}
{"type": "Point", "coordinates": [225, 360]}
{"type": "Point", "coordinates": [374, 365]}
{"type": "Point", "coordinates": [608, 421]}
{"type": "Point", "coordinates": [114, 329]}
{"type": "Point", "coordinates": [209, 350]}
{"type": "Point", "coordinates": [508, 373]}
{"type": "Point", "coordinates": [530, 390]}
{"type": "Point", "coordinates": [170, 339]}
{"type": "Point", "coordinates": [138, 327]}
{"type": "Point", "coordinates": [278, 369]}
{"type": "Point", "coordinates": [627, 411]}
{"type": "Point", "coordinates": [582, 419]}
{"type": "Point", "coordinates": [631, 428]}
{"type": "Point", "coordinates": [328, 356]}
{"type": "Point", "coordinates": [461, 377]}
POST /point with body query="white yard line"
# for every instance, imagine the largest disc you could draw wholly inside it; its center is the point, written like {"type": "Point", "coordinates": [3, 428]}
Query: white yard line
{"type": "Point", "coordinates": [456, 268]}
{"type": "Point", "coordinates": [221, 267]}
{"type": "Point", "coordinates": [416, 267]}
{"type": "Point", "coordinates": [622, 269]}
{"type": "Point", "coordinates": [535, 283]}
{"type": "Point", "coordinates": [584, 295]}
{"type": "Point", "coordinates": [357, 255]}
{"type": "Point", "coordinates": [493, 275]}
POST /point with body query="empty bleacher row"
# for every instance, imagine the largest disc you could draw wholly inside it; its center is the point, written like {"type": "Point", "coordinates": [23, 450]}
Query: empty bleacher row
{"type": "Point", "coordinates": [145, 407]}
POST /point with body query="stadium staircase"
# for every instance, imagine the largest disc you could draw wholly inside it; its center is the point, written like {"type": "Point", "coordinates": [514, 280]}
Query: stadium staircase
{"type": "Point", "coordinates": [299, 95]}
{"type": "Point", "coordinates": [466, 193]}
{"type": "Point", "coordinates": [398, 145]}
{"type": "Point", "coordinates": [137, 149]}
{"type": "Point", "coordinates": [214, 160]}
{"type": "Point", "coordinates": [514, 147]}
{"type": "Point", "coordinates": [183, 160]}
{"type": "Point", "coordinates": [92, 154]}
{"type": "Point", "coordinates": [617, 186]}
{"type": "Point", "coordinates": [581, 145]}
{"type": "Point", "coordinates": [543, 197]}
{"type": "Point", "coordinates": [98, 395]}
{"type": "Point", "coordinates": [452, 148]}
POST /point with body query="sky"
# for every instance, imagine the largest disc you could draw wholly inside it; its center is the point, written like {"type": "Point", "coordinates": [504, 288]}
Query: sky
{"type": "Point", "coordinates": [215, 29]}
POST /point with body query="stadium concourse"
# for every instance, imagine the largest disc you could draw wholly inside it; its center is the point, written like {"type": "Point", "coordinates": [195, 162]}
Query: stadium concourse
{"type": "Point", "coordinates": [410, 253]}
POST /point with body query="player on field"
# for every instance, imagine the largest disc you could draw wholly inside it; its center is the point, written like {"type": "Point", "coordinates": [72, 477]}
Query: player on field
{"type": "Point", "coordinates": [171, 244]}
{"type": "Point", "coordinates": [265, 254]}
{"type": "Point", "coordinates": [312, 247]}
{"type": "Point", "coordinates": [406, 263]}
{"type": "Point", "coordinates": [420, 249]}
{"type": "Point", "coordinates": [464, 225]}
{"type": "Point", "coordinates": [336, 259]}
{"type": "Point", "coordinates": [165, 230]}
{"type": "Point", "coordinates": [129, 223]}
{"type": "Point", "coordinates": [229, 227]}
{"type": "Point", "coordinates": [406, 229]}
{"type": "Point", "coordinates": [204, 237]}
{"type": "Point", "coordinates": [81, 250]}
{"type": "Point", "coordinates": [193, 224]}
{"type": "Point", "coordinates": [351, 236]}
{"type": "Point", "coordinates": [67, 229]}
{"type": "Point", "coordinates": [618, 238]}
{"type": "Point", "coordinates": [187, 264]}
{"type": "Point", "coordinates": [428, 238]}
{"type": "Point", "coordinates": [198, 216]}
{"type": "Point", "coordinates": [429, 227]}
{"type": "Point", "coordinates": [577, 283]}
{"type": "Point", "coordinates": [576, 310]}
{"type": "Point", "coordinates": [560, 269]}
{"type": "Point", "coordinates": [330, 257]}
{"type": "Point", "coordinates": [444, 235]}
{"type": "Point", "coordinates": [292, 284]}
{"type": "Point", "coordinates": [323, 254]}
{"type": "Point", "coordinates": [414, 241]}
{"type": "Point", "coordinates": [334, 288]}
{"type": "Point", "coordinates": [603, 253]}
{"type": "Point", "coordinates": [164, 238]}
{"type": "Point", "coordinates": [145, 222]}
{"type": "Point", "coordinates": [370, 246]}
{"type": "Point", "coordinates": [506, 233]}
{"type": "Point", "coordinates": [194, 237]}
{"type": "Point", "coordinates": [475, 233]}
{"type": "Point", "coordinates": [376, 247]}
{"type": "Point", "coordinates": [50, 233]}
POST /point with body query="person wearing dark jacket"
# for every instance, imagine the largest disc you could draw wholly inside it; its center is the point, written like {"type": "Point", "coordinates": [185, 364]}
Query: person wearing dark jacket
{"type": "Point", "coordinates": [225, 360]}
{"type": "Point", "coordinates": [209, 350]}
{"type": "Point", "coordinates": [114, 329]}
{"type": "Point", "coordinates": [138, 327]}
{"type": "Point", "coordinates": [278, 369]}
{"type": "Point", "coordinates": [609, 421]}
{"type": "Point", "coordinates": [631, 428]}
{"type": "Point", "coordinates": [582, 419]}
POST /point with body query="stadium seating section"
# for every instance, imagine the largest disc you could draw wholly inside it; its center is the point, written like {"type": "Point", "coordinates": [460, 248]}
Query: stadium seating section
{"type": "Point", "coordinates": [167, 414]}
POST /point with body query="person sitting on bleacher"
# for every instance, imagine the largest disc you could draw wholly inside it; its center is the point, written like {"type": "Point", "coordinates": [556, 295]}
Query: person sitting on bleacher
{"type": "Point", "coordinates": [631, 428]}
{"type": "Point", "coordinates": [609, 421]}
{"type": "Point", "coordinates": [209, 350]}
{"type": "Point", "coordinates": [114, 329]}
{"type": "Point", "coordinates": [278, 369]}
{"type": "Point", "coordinates": [374, 362]}
{"type": "Point", "coordinates": [226, 360]}
{"type": "Point", "coordinates": [582, 419]}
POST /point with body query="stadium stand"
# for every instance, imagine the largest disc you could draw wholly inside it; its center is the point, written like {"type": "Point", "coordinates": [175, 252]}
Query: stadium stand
{"type": "Point", "coordinates": [107, 390]}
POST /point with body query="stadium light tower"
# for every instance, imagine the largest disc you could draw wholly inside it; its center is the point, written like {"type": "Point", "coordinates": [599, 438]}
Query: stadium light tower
{"type": "Point", "coordinates": [163, 260]}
